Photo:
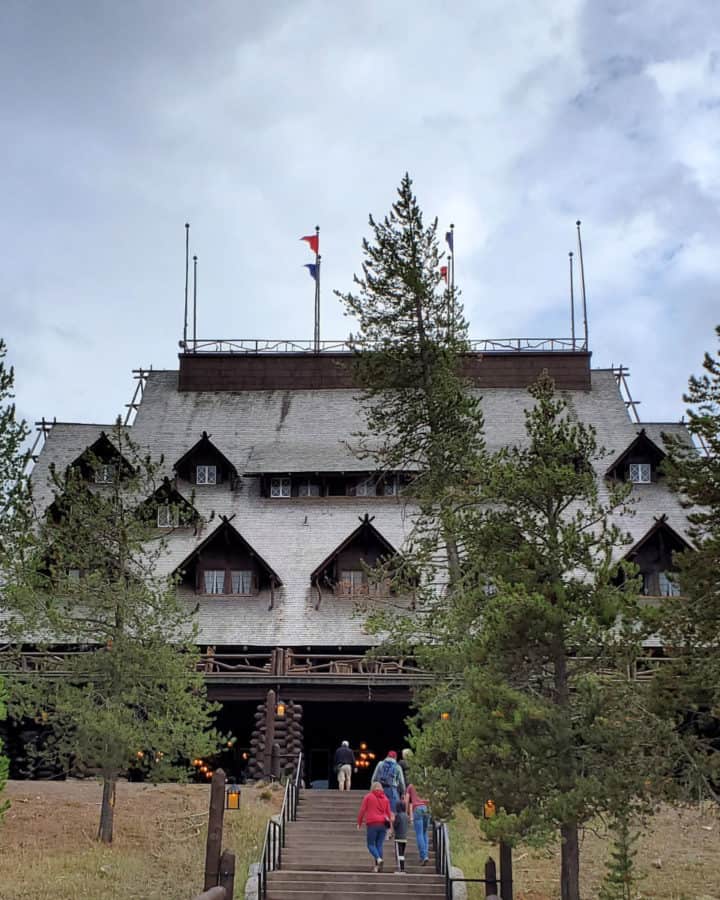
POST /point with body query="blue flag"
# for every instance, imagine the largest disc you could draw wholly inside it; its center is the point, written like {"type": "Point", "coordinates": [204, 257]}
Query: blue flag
{"type": "Point", "coordinates": [449, 239]}
{"type": "Point", "coordinates": [312, 269]}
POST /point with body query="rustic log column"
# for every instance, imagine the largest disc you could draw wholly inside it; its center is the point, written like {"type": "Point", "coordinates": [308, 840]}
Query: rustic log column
{"type": "Point", "coordinates": [227, 873]}
{"type": "Point", "coordinates": [215, 830]}
{"type": "Point", "coordinates": [506, 873]}
{"type": "Point", "coordinates": [269, 731]}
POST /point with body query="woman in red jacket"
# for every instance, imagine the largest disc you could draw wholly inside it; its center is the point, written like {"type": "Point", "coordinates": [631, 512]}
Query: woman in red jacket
{"type": "Point", "coordinates": [375, 810]}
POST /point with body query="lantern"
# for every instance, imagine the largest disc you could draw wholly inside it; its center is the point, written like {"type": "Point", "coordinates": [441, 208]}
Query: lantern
{"type": "Point", "coordinates": [445, 716]}
{"type": "Point", "coordinates": [232, 797]}
{"type": "Point", "coordinates": [363, 746]}
{"type": "Point", "coordinates": [488, 809]}
{"type": "Point", "coordinates": [280, 709]}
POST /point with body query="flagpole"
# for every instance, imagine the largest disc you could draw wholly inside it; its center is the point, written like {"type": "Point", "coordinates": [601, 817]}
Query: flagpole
{"type": "Point", "coordinates": [317, 290]}
{"type": "Point", "coordinates": [187, 264]}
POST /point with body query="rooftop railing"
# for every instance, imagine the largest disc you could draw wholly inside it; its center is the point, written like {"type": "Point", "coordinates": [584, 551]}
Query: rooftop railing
{"type": "Point", "coordinates": [257, 346]}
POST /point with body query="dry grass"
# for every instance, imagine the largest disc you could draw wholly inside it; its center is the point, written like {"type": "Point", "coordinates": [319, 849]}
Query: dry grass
{"type": "Point", "coordinates": [679, 856]}
{"type": "Point", "coordinates": [49, 852]}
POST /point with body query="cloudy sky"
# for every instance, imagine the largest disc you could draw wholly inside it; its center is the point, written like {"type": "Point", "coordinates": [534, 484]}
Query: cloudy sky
{"type": "Point", "coordinates": [255, 121]}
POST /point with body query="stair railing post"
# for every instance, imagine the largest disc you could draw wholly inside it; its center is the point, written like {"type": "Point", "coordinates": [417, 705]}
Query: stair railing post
{"type": "Point", "coordinates": [506, 873]}
{"type": "Point", "coordinates": [491, 886]}
{"type": "Point", "coordinates": [215, 829]}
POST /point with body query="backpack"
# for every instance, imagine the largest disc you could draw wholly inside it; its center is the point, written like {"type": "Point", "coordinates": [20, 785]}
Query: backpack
{"type": "Point", "coordinates": [386, 774]}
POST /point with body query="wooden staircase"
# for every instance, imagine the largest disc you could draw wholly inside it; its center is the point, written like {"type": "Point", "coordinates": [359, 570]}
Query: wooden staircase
{"type": "Point", "coordinates": [325, 857]}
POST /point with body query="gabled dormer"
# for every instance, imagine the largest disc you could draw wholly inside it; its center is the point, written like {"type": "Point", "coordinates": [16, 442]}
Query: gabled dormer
{"type": "Point", "coordinates": [653, 555]}
{"type": "Point", "coordinates": [102, 462]}
{"type": "Point", "coordinates": [166, 508]}
{"type": "Point", "coordinates": [639, 463]}
{"type": "Point", "coordinates": [345, 570]}
{"type": "Point", "coordinates": [205, 464]}
{"type": "Point", "coordinates": [226, 564]}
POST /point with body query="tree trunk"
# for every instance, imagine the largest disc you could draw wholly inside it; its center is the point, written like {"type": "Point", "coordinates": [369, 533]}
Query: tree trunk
{"type": "Point", "coordinates": [107, 810]}
{"type": "Point", "coordinates": [570, 862]}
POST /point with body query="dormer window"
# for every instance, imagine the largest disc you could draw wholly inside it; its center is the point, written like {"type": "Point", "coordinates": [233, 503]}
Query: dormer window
{"type": "Point", "coordinates": [640, 473]}
{"type": "Point", "coordinates": [308, 489]}
{"type": "Point", "coordinates": [668, 586]}
{"type": "Point", "coordinates": [364, 488]}
{"type": "Point", "coordinates": [206, 475]}
{"type": "Point", "coordinates": [214, 581]}
{"type": "Point", "coordinates": [105, 473]}
{"type": "Point", "coordinates": [168, 516]}
{"type": "Point", "coordinates": [242, 582]}
{"type": "Point", "coordinates": [280, 487]}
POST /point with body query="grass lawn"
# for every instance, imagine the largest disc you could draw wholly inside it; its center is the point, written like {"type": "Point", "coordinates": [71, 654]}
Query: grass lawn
{"type": "Point", "coordinates": [679, 855]}
{"type": "Point", "coordinates": [48, 850]}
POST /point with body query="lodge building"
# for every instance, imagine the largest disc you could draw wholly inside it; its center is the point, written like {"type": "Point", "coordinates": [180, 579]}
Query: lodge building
{"type": "Point", "coordinates": [271, 519]}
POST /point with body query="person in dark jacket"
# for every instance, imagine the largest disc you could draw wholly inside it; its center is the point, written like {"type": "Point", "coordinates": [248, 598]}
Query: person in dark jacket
{"type": "Point", "coordinates": [344, 765]}
{"type": "Point", "coordinates": [375, 811]}
{"type": "Point", "coordinates": [400, 830]}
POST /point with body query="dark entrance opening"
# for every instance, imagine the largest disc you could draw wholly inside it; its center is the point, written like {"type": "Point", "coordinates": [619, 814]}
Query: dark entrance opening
{"type": "Point", "coordinates": [378, 725]}
{"type": "Point", "coordinates": [235, 720]}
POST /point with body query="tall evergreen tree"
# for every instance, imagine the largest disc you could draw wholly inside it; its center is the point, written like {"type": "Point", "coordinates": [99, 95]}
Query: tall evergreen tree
{"type": "Point", "coordinates": [421, 416]}
{"type": "Point", "coordinates": [90, 581]}
{"type": "Point", "coordinates": [691, 681]}
{"type": "Point", "coordinates": [541, 609]}
{"type": "Point", "coordinates": [13, 493]}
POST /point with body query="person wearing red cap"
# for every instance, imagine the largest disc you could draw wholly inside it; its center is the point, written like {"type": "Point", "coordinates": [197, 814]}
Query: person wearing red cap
{"type": "Point", "coordinates": [389, 774]}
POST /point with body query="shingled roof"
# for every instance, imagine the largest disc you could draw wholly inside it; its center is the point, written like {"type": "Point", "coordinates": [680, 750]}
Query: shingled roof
{"type": "Point", "coordinates": [313, 430]}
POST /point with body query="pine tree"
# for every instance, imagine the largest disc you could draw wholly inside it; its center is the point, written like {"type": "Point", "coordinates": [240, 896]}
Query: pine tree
{"type": "Point", "coordinates": [530, 722]}
{"type": "Point", "coordinates": [421, 416]}
{"type": "Point", "coordinates": [622, 877]}
{"type": "Point", "coordinates": [690, 683]}
{"type": "Point", "coordinates": [13, 495]}
{"type": "Point", "coordinates": [91, 581]}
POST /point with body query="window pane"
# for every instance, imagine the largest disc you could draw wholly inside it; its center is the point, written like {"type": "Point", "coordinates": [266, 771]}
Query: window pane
{"type": "Point", "coordinates": [365, 488]}
{"type": "Point", "coordinates": [168, 517]}
{"type": "Point", "coordinates": [104, 474]}
{"type": "Point", "coordinates": [668, 588]}
{"type": "Point", "coordinates": [640, 473]}
{"type": "Point", "coordinates": [279, 487]}
{"type": "Point", "coordinates": [214, 581]}
{"type": "Point", "coordinates": [308, 489]}
{"type": "Point", "coordinates": [200, 475]}
{"type": "Point", "coordinates": [241, 582]}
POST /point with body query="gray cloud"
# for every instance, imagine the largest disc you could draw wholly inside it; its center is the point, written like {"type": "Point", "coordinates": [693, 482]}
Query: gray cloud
{"type": "Point", "coordinates": [257, 121]}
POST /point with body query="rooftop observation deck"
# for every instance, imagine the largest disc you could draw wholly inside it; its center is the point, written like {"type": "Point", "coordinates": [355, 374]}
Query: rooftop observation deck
{"type": "Point", "coordinates": [257, 365]}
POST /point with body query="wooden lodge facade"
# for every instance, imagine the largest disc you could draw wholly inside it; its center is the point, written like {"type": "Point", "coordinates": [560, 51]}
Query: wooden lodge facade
{"type": "Point", "coordinates": [274, 521]}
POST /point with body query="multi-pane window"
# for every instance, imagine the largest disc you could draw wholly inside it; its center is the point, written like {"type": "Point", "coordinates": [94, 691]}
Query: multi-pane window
{"type": "Point", "coordinates": [365, 488]}
{"type": "Point", "coordinates": [390, 486]}
{"type": "Point", "coordinates": [241, 582]}
{"type": "Point", "coordinates": [105, 474]}
{"type": "Point", "coordinates": [168, 516]}
{"type": "Point", "coordinates": [206, 475]}
{"type": "Point", "coordinates": [214, 581]}
{"type": "Point", "coordinates": [640, 473]}
{"type": "Point", "coordinates": [668, 587]}
{"type": "Point", "coordinates": [353, 581]}
{"type": "Point", "coordinates": [280, 487]}
{"type": "Point", "coordinates": [308, 489]}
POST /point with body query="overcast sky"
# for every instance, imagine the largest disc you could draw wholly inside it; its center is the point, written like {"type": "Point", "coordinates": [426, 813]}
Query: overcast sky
{"type": "Point", "coordinates": [121, 121]}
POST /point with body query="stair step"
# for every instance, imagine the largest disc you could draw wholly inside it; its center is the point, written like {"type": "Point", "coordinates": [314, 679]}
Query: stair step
{"type": "Point", "coordinates": [300, 877]}
{"type": "Point", "coordinates": [403, 883]}
{"type": "Point", "coordinates": [401, 892]}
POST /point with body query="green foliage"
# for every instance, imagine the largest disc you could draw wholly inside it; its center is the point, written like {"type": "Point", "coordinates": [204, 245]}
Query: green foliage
{"type": "Point", "coordinates": [523, 640]}
{"type": "Point", "coordinates": [4, 762]}
{"type": "Point", "coordinates": [421, 416]}
{"type": "Point", "coordinates": [90, 580]}
{"type": "Point", "coordinates": [622, 876]}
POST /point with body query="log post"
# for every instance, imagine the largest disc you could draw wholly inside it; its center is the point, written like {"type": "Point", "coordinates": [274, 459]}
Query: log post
{"type": "Point", "coordinates": [269, 731]}
{"type": "Point", "coordinates": [506, 873]}
{"type": "Point", "coordinates": [227, 873]}
{"type": "Point", "coordinates": [490, 878]}
{"type": "Point", "coordinates": [215, 830]}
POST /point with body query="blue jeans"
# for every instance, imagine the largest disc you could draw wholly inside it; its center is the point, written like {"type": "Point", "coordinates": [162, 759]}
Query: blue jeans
{"type": "Point", "coordinates": [375, 840]}
{"type": "Point", "coordinates": [391, 793]}
{"type": "Point", "coordinates": [421, 820]}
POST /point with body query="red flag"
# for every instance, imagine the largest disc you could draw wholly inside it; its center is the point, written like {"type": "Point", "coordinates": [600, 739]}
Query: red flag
{"type": "Point", "coordinates": [444, 272]}
{"type": "Point", "coordinates": [313, 241]}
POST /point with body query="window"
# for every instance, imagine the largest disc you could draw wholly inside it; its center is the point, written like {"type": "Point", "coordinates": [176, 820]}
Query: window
{"type": "Point", "coordinates": [364, 488]}
{"type": "Point", "coordinates": [241, 582]}
{"type": "Point", "coordinates": [668, 587]}
{"type": "Point", "coordinates": [105, 474]}
{"type": "Point", "coordinates": [308, 489]}
{"type": "Point", "coordinates": [640, 473]}
{"type": "Point", "coordinates": [390, 486]}
{"type": "Point", "coordinates": [279, 487]}
{"type": "Point", "coordinates": [206, 475]}
{"type": "Point", "coordinates": [353, 581]}
{"type": "Point", "coordinates": [214, 581]}
{"type": "Point", "coordinates": [168, 516]}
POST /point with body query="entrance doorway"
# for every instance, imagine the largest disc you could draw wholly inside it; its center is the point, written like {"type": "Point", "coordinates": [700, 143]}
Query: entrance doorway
{"type": "Point", "coordinates": [378, 725]}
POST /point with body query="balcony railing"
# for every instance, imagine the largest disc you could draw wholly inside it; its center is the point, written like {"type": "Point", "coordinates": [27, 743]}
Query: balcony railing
{"type": "Point", "coordinates": [257, 346]}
